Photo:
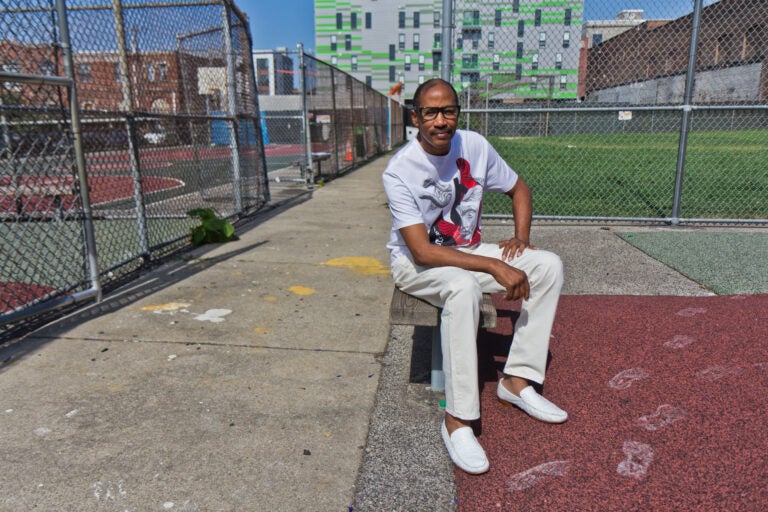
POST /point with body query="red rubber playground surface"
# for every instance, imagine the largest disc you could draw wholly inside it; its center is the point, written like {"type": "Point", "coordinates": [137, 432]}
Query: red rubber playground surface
{"type": "Point", "coordinates": [668, 410]}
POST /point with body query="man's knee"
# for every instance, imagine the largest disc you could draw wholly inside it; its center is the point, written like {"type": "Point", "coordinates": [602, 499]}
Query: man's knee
{"type": "Point", "coordinates": [550, 266]}
{"type": "Point", "coordinates": [464, 285]}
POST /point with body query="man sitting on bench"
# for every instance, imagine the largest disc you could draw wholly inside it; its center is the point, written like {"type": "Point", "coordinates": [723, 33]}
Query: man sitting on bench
{"type": "Point", "coordinates": [434, 188]}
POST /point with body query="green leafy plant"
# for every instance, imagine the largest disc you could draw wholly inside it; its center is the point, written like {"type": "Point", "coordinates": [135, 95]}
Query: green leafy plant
{"type": "Point", "coordinates": [212, 230]}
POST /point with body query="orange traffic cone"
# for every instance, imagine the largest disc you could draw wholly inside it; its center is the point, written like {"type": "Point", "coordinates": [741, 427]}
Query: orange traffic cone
{"type": "Point", "coordinates": [348, 154]}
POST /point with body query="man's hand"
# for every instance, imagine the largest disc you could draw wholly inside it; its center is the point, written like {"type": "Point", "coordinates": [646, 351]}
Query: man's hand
{"type": "Point", "coordinates": [514, 247]}
{"type": "Point", "coordinates": [514, 280]}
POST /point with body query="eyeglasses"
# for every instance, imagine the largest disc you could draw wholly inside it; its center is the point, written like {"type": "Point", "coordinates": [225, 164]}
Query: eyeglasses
{"type": "Point", "coordinates": [450, 112]}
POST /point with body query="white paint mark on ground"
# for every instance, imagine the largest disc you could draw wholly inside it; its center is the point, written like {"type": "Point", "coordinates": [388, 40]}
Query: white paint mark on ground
{"type": "Point", "coordinates": [72, 413]}
{"type": "Point", "coordinates": [42, 431]}
{"type": "Point", "coordinates": [680, 341]}
{"type": "Point", "coordinates": [626, 378]}
{"type": "Point", "coordinates": [717, 372]}
{"type": "Point", "coordinates": [533, 476]}
{"type": "Point", "coordinates": [213, 315]}
{"type": "Point", "coordinates": [639, 457]}
{"type": "Point", "coordinates": [665, 414]}
{"type": "Point", "coordinates": [688, 312]}
{"type": "Point", "coordinates": [109, 491]}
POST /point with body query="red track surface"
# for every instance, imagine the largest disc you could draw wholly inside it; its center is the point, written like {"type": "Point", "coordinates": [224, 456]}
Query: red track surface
{"type": "Point", "coordinates": [667, 402]}
{"type": "Point", "coordinates": [102, 189]}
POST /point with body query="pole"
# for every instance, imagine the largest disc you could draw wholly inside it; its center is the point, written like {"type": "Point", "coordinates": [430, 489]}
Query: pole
{"type": "Point", "coordinates": [232, 107]}
{"type": "Point", "coordinates": [685, 125]}
{"type": "Point", "coordinates": [77, 135]}
{"type": "Point", "coordinates": [305, 114]}
{"type": "Point", "coordinates": [446, 57]}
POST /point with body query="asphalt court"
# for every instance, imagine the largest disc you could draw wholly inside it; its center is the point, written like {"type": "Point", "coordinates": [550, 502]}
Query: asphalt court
{"type": "Point", "coordinates": [727, 261]}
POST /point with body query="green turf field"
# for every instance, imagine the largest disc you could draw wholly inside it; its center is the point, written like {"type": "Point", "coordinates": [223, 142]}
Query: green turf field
{"type": "Point", "coordinates": [633, 174]}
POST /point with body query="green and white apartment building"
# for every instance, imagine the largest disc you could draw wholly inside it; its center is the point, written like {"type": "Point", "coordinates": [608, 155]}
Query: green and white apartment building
{"type": "Point", "coordinates": [516, 50]}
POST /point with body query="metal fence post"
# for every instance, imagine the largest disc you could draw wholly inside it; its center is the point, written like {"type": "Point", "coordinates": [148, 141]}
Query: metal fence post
{"type": "Point", "coordinates": [130, 125]}
{"type": "Point", "coordinates": [74, 111]}
{"type": "Point", "coordinates": [446, 57]}
{"type": "Point", "coordinates": [232, 107]}
{"type": "Point", "coordinates": [310, 177]}
{"type": "Point", "coordinates": [685, 125]}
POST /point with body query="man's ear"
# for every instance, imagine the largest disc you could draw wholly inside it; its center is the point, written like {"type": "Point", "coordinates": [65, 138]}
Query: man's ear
{"type": "Point", "coordinates": [415, 117]}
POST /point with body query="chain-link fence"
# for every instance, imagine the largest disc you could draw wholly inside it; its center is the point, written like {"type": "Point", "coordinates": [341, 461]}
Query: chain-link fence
{"type": "Point", "coordinates": [646, 115]}
{"type": "Point", "coordinates": [116, 119]}
{"type": "Point", "coordinates": [319, 121]}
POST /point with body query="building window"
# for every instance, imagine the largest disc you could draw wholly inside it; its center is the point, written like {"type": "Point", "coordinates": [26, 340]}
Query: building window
{"type": "Point", "coordinates": [421, 63]}
{"type": "Point", "coordinates": [162, 71]}
{"type": "Point", "coordinates": [47, 68]}
{"type": "Point", "coordinates": [353, 21]}
{"type": "Point", "coordinates": [437, 44]}
{"type": "Point", "coordinates": [436, 19]}
{"type": "Point", "coordinates": [497, 18]}
{"type": "Point", "coordinates": [476, 40]}
{"type": "Point", "coordinates": [471, 19]}
{"type": "Point", "coordinates": [597, 39]}
{"type": "Point", "coordinates": [520, 28]}
{"type": "Point", "coordinates": [84, 73]}
{"type": "Point", "coordinates": [339, 20]}
{"type": "Point", "coordinates": [421, 79]}
{"type": "Point", "coordinates": [353, 63]}
{"type": "Point", "coordinates": [391, 73]}
{"type": "Point", "coordinates": [534, 83]}
{"type": "Point", "coordinates": [559, 61]}
{"type": "Point", "coordinates": [333, 42]}
{"type": "Point", "coordinates": [519, 49]}
{"type": "Point", "coordinates": [491, 40]}
{"type": "Point", "coordinates": [348, 42]}
{"type": "Point", "coordinates": [535, 62]}
{"type": "Point", "coordinates": [334, 60]}
{"type": "Point", "coordinates": [401, 42]}
{"type": "Point", "coordinates": [469, 61]}
{"type": "Point", "coordinates": [542, 39]}
{"type": "Point", "coordinates": [391, 52]}
{"type": "Point", "coordinates": [368, 81]}
{"type": "Point", "coordinates": [496, 61]}
{"type": "Point", "coordinates": [368, 20]}
{"type": "Point", "coordinates": [537, 18]}
{"type": "Point", "coordinates": [416, 20]}
{"type": "Point", "coordinates": [435, 62]}
{"type": "Point", "coordinates": [416, 41]}
{"type": "Point", "coordinates": [119, 76]}
{"type": "Point", "coordinates": [563, 82]}
{"type": "Point", "coordinates": [568, 16]}
{"type": "Point", "coordinates": [566, 39]}
{"type": "Point", "coordinates": [401, 19]}
{"type": "Point", "coordinates": [460, 43]}
{"type": "Point", "coordinates": [13, 66]}
{"type": "Point", "coordinates": [515, 6]}
{"type": "Point", "coordinates": [518, 71]}
{"type": "Point", "coordinates": [407, 62]}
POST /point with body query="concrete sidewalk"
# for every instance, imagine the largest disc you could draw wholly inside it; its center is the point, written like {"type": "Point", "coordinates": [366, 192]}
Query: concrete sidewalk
{"type": "Point", "coordinates": [259, 375]}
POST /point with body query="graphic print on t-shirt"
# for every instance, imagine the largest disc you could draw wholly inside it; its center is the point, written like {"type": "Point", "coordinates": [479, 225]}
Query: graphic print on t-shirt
{"type": "Point", "coordinates": [458, 225]}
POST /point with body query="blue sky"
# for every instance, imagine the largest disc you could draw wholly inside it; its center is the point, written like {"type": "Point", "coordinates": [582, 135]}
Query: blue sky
{"type": "Point", "coordinates": [287, 22]}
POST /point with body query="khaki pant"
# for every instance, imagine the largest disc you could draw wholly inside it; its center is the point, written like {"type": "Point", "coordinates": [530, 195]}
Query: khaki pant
{"type": "Point", "coordinates": [459, 293]}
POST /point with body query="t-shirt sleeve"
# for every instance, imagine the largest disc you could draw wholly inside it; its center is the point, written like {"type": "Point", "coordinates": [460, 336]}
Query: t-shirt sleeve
{"type": "Point", "coordinates": [402, 204]}
{"type": "Point", "coordinates": [500, 177]}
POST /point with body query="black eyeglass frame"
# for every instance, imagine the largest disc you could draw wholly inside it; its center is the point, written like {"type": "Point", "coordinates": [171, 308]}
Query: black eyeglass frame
{"type": "Point", "coordinates": [438, 111]}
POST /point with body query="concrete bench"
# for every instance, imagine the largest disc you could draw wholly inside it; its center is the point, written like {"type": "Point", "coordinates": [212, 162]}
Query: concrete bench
{"type": "Point", "coordinates": [408, 310]}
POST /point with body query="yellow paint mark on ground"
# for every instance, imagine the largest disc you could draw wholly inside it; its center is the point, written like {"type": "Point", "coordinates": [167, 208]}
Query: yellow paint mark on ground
{"type": "Point", "coordinates": [270, 298]}
{"type": "Point", "coordinates": [261, 330]}
{"type": "Point", "coordinates": [170, 306]}
{"type": "Point", "coordinates": [301, 290]}
{"type": "Point", "coordinates": [359, 265]}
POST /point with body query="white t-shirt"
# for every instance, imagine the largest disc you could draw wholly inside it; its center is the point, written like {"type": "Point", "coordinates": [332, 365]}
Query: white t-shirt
{"type": "Point", "coordinates": [445, 193]}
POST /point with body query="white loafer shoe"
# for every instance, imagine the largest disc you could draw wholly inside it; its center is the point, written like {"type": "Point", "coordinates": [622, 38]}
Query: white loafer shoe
{"type": "Point", "coordinates": [533, 404]}
{"type": "Point", "coordinates": [465, 451]}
